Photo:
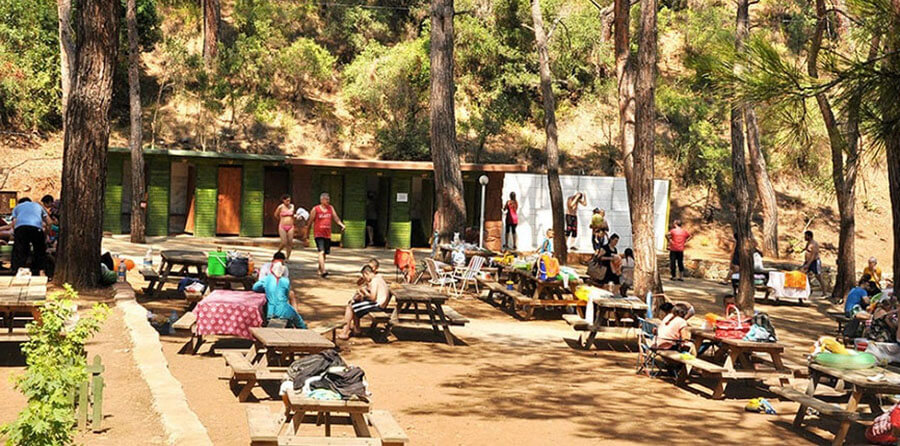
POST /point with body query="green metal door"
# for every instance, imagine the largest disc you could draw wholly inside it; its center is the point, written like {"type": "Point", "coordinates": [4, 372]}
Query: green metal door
{"type": "Point", "coordinates": [354, 205]}
{"type": "Point", "coordinates": [158, 196]}
{"type": "Point", "coordinates": [400, 229]}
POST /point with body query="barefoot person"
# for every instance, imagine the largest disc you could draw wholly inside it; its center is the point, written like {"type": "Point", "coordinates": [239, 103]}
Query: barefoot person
{"type": "Point", "coordinates": [320, 219]}
{"type": "Point", "coordinates": [812, 263]}
{"type": "Point", "coordinates": [572, 217]}
{"type": "Point", "coordinates": [373, 295]}
{"type": "Point", "coordinates": [285, 215]}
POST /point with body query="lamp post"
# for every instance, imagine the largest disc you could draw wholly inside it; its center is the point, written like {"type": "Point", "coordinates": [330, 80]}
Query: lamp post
{"type": "Point", "coordinates": [484, 181]}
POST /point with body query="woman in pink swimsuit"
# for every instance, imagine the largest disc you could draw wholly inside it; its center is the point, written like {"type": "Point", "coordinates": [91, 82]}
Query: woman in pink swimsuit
{"type": "Point", "coordinates": [285, 215]}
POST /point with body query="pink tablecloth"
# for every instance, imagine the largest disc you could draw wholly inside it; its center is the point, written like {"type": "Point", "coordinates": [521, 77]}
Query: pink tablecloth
{"type": "Point", "coordinates": [226, 312]}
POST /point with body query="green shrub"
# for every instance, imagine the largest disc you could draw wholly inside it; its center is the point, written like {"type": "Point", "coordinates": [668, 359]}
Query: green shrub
{"type": "Point", "coordinates": [56, 363]}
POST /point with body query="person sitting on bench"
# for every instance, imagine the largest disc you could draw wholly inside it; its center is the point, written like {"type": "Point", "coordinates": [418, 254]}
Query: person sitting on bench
{"type": "Point", "coordinates": [373, 295]}
{"type": "Point", "coordinates": [280, 300]}
{"type": "Point", "coordinates": [266, 268]}
{"type": "Point", "coordinates": [674, 333]}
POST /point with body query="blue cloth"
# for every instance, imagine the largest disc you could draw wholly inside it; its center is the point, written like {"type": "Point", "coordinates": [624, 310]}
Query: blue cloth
{"type": "Point", "coordinates": [854, 298]}
{"type": "Point", "coordinates": [278, 305]}
{"type": "Point", "coordinates": [29, 213]}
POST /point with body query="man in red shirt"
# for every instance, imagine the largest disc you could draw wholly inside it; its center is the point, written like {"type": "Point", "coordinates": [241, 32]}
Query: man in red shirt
{"type": "Point", "coordinates": [320, 219]}
{"type": "Point", "coordinates": [677, 238]}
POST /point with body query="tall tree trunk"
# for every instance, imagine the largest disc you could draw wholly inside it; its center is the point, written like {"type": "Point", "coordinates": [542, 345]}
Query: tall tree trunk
{"type": "Point", "coordinates": [66, 52]}
{"type": "Point", "coordinates": [740, 181]}
{"type": "Point", "coordinates": [212, 20]}
{"type": "Point", "coordinates": [625, 80]}
{"type": "Point", "coordinates": [892, 143]}
{"type": "Point", "coordinates": [556, 198]}
{"type": "Point", "coordinates": [646, 275]}
{"type": "Point", "coordinates": [844, 180]}
{"type": "Point", "coordinates": [764, 190]}
{"type": "Point", "coordinates": [138, 214]}
{"type": "Point", "coordinates": [450, 215]}
{"type": "Point", "coordinates": [85, 144]}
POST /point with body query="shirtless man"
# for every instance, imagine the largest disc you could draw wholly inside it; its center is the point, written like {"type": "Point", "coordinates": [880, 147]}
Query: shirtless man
{"type": "Point", "coordinates": [572, 217]}
{"type": "Point", "coordinates": [812, 263]}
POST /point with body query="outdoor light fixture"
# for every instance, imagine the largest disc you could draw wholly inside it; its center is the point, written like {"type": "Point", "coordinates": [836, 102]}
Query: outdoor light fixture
{"type": "Point", "coordinates": [483, 180]}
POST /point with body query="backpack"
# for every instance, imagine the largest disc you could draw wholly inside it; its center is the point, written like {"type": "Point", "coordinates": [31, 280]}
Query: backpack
{"type": "Point", "coordinates": [549, 267]}
{"type": "Point", "coordinates": [312, 365]}
{"type": "Point", "coordinates": [762, 321]}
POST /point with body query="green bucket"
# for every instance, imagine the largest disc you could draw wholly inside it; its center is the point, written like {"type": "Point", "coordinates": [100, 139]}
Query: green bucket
{"type": "Point", "coordinates": [215, 263]}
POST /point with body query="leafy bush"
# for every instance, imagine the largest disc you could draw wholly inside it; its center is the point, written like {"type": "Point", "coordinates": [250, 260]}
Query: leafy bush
{"type": "Point", "coordinates": [56, 365]}
{"type": "Point", "coordinates": [389, 86]}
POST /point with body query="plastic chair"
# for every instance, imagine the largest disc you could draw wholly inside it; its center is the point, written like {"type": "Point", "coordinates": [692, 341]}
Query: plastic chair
{"type": "Point", "coordinates": [465, 276]}
{"type": "Point", "coordinates": [438, 277]}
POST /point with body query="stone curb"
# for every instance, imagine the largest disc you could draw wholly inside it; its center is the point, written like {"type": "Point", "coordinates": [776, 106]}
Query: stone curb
{"type": "Point", "coordinates": [181, 424]}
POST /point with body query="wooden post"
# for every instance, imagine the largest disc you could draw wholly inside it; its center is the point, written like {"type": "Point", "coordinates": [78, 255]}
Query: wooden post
{"type": "Point", "coordinates": [82, 405]}
{"type": "Point", "coordinates": [96, 393]}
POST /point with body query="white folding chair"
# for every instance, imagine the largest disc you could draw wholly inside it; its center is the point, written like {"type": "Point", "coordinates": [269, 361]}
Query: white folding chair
{"type": "Point", "coordinates": [465, 276]}
{"type": "Point", "coordinates": [438, 276]}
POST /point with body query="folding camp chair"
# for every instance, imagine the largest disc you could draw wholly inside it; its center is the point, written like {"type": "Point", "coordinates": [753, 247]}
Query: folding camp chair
{"type": "Point", "coordinates": [438, 277]}
{"type": "Point", "coordinates": [405, 263]}
{"type": "Point", "coordinates": [646, 351]}
{"type": "Point", "coordinates": [467, 275]}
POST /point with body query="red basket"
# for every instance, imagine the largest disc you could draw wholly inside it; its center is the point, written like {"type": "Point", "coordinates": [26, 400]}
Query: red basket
{"type": "Point", "coordinates": [733, 327]}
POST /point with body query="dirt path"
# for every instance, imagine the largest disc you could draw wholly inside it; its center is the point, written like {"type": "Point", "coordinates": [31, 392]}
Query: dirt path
{"type": "Point", "coordinates": [128, 414]}
{"type": "Point", "coordinates": [516, 382]}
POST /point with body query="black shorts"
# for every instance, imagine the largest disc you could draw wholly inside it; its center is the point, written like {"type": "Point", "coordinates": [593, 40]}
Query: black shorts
{"type": "Point", "coordinates": [323, 244]}
{"type": "Point", "coordinates": [816, 267]}
{"type": "Point", "coordinates": [571, 226]}
{"type": "Point", "coordinates": [365, 307]}
{"type": "Point", "coordinates": [511, 227]}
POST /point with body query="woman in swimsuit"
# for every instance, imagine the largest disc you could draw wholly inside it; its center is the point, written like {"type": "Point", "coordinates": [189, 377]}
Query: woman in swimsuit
{"type": "Point", "coordinates": [285, 215]}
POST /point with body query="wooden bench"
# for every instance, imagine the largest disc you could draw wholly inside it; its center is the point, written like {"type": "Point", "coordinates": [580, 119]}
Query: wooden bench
{"type": "Point", "coordinates": [151, 277]}
{"type": "Point", "coordinates": [388, 429]}
{"type": "Point", "coordinates": [705, 369]}
{"type": "Point", "coordinates": [508, 298]}
{"type": "Point", "coordinates": [842, 320]}
{"type": "Point", "coordinates": [187, 323]}
{"type": "Point", "coordinates": [265, 426]}
{"type": "Point", "coordinates": [289, 440]}
{"type": "Point", "coordinates": [823, 407]}
{"type": "Point", "coordinates": [243, 372]}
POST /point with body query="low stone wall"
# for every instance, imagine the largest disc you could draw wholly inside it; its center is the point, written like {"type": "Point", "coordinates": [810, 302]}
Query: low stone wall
{"type": "Point", "coordinates": [182, 425]}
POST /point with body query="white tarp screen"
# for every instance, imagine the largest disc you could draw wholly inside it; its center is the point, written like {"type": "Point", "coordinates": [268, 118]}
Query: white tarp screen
{"type": "Point", "coordinates": [609, 193]}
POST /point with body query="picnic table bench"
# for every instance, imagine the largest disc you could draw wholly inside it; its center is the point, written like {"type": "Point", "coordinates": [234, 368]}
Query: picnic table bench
{"type": "Point", "coordinates": [608, 313]}
{"type": "Point", "coordinates": [841, 319]}
{"type": "Point", "coordinates": [531, 293]}
{"type": "Point", "coordinates": [433, 313]}
{"type": "Point", "coordinates": [267, 428]}
{"type": "Point", "coordinates": [861, 389]}
{"type": "Point", "coordinates": [22, 295]}
{"type": "Point", "coordinates": [734, 359]}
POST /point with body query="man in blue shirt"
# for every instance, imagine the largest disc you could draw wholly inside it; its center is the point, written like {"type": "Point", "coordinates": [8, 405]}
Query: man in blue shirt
{"type": "Point", "coordinates": [28, 220]}
{"type": "Point", "coordinates": [858, 297]}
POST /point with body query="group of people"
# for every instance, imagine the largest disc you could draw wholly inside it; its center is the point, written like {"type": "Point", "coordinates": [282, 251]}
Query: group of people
{"type": "Point", "coordinates": [372, 294]}
{"type": "Point", "coordinates": [34, 230]}
{"type": "Point", "coordinates": [872, 310]}
{"type": "Point", "coordinates": [319, 219]}
{"type": "Point", "coordinates": [599, 226]}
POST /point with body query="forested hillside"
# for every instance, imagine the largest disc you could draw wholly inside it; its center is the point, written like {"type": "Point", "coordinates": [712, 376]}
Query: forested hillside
{"type": "Point", "coordinates": [350, 79]}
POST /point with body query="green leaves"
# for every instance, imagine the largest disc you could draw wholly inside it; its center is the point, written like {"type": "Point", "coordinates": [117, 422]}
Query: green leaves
{"type": "Point", "coordinates": [56, 365]}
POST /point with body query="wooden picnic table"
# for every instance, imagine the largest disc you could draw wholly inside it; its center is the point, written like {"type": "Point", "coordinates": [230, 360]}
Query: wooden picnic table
{"type": "Point", "coordinates": [542, 293]}
{"type": "Point", "coordinates": [172, 258]}
{"type": "Point", "coordinates": [282, 344]}
{"type": "Point", "coordinates": [739, 359]}
{"type": "Point", "coordinates": [20, 295]}
{"type": "Point", "coordinates": [409, 297]}
{"type": "Point", "coordinates": [861, 389]}
{"type": "Point", "coordinates": [607, 312]}
{"type": "Point", "coordinates": [324, 411]}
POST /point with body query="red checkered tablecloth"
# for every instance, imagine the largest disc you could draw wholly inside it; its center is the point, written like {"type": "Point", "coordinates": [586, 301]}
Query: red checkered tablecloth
{"type": "Point", "coordinates": [226, 312]}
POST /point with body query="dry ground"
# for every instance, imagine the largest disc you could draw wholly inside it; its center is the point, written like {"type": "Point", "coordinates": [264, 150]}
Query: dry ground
{"type": "Point", "coordinates": [511, 382]}
{"type": "Point", "coordinates": [128, 415]}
